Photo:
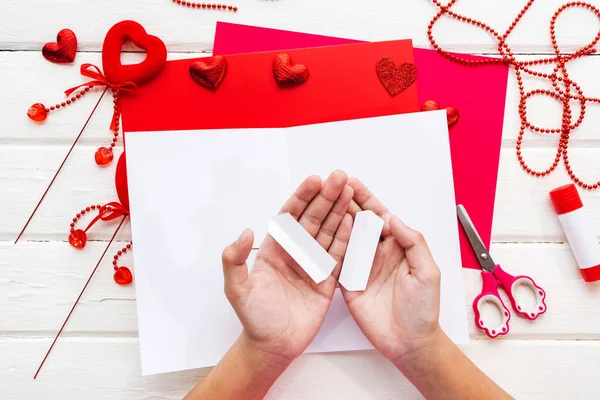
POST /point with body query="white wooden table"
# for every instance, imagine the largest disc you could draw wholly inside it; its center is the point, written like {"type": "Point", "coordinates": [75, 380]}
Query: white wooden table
{"type": "Point", "coordinates": [97, 357]}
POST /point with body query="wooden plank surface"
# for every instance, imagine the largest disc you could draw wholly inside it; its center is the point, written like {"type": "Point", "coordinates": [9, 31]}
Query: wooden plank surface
{"type": "Point", "coordinates": [37, 295]}
{"type": "Point", "coordinates": [554, 357]}
{"type": "Point", "coordinates": [108, 368]}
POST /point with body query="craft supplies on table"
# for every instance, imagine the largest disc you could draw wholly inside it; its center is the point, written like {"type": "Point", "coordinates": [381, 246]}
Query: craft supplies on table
{"type": "Point", "coordinates": [578, 229]}
{"type": "Point", "coordinates": [493, 277]}
{"type": "Point", "coordinates": [475, 150]}
{"type": "Point", "coordinates": [226, 180]}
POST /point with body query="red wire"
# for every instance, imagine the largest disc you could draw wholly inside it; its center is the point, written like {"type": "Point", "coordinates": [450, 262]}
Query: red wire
{"type": "Point", "coordinates": [59, 168]}
{"type": "Point", "coordinates": [79, 297]}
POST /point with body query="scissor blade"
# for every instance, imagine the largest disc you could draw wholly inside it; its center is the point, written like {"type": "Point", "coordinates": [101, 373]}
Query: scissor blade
{"type": "Point", "coordinates": [483, 256]}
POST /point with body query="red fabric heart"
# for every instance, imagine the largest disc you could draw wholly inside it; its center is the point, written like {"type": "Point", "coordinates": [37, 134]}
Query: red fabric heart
{"type": "Point", "coordinates": [64, 50]}
{"type": "Point", "coordinates": [395, 80]}
{"type": "Point", "coordinates": [452, 114]}
{"type": "Point", "coordinates": [287, 74]}
{"type": "Point", "coordinates": [156, 54]}
{"type": "Point", "coordinates": [209, 72]}
{"type": "Point", "coordinates": [121, 182]}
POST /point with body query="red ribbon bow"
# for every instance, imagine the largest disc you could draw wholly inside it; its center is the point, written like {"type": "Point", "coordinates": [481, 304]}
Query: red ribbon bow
{"type": "Point", "coordinates": [93, 72]}
{"type": "Point", "coordinates": [100, 80]}
{"type": "Point", "coordinates": [108, 212]}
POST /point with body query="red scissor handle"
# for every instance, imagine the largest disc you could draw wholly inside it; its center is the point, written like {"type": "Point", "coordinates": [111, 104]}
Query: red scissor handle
{"type": "Point", "coordinates": [489, 293]}
{"type": "Point", "coordinates": [510, 283]}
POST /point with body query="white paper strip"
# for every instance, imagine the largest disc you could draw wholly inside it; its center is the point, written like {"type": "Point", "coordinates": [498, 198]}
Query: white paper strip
{"type": "Point", "coordinates": [361, 251]}
{"type": "Point", "coordinates": [302, 247]}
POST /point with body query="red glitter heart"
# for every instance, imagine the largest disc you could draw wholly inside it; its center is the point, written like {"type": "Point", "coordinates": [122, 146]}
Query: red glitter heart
{"type": "Point", "coordinates": [64, 50]}
{"type": "Point", "coordinates": [393, 79]}
{"type": "Point", "coordinates": [287, 74]}
{"type": "Point", "coordinates": [209, 72]}
{"type": "Point", "coordinates": [452, 114]}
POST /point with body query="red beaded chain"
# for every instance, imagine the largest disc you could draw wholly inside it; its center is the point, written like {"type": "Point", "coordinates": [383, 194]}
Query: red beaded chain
{"type": "Point", "coordinates": [104, 155]}
{"type": "Point", "coordinates": [563, 95]}
{"type": "Point", "coordinates": [191, 4]}
{"type": "Point", "coordinates": [38, 112]}
{"type": "Point", "coordinates": [77, 237]}
{"type": "Point", "coordinates": [122, 274]}
{"type": "Point", "coordinates": [108, 212]}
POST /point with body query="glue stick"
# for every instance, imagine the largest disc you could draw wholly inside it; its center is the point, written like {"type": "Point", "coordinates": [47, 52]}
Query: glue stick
{"type": "Point", "coordinates": [578, 229]}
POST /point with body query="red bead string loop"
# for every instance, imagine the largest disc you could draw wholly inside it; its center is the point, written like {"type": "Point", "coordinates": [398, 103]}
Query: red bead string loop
{"type": "Point", "coordinates": [39, 112]}
{"type": "Point", "coordinates": [570, 90]}
{"type": "Point", "coordinates": [107, 212]}
{"type": "Point", "coordinates": [207, 6]}
{"type": "Point", "coordinates": [78, 237]}
{"type": "Point", "coordinates": [122, 274]}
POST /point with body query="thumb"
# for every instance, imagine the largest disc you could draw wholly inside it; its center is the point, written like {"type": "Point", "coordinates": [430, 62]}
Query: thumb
{"type": "Point", "coordinates": [418, 255]}
{"type": "Point", "coordinates": [235, 269]}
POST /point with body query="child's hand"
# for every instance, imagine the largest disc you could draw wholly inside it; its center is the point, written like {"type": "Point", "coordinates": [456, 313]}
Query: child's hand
{"type": "Point", "coordinates": [399, 310]}
{"type": "Point", "coordinates": [279, 305]}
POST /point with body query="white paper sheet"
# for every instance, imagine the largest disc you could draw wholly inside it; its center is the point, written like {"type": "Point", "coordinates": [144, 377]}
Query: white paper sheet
{"type": "Point", "coordinates": [193, 192]}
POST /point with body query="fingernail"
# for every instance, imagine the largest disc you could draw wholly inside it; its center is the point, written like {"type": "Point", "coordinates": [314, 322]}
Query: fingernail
{"type": "Point", "coordinates": [240, 241]}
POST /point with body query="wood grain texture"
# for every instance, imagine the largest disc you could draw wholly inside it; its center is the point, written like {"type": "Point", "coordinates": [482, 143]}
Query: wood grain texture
{"type": "Point", "coordinates": [185, 29]}
{"type": "Point", "coordinates": [108, 368]}
{"type": "Point", "coordinates": [37, 295]}
{"type": "Point", "coordinates": [557, 356]}
{"type": "Point", "coordinates": [523, 210]}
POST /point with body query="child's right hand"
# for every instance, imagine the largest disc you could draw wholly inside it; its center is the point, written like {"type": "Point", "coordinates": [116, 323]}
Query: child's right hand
{"type": "Point", "coordinates": [399, 310]}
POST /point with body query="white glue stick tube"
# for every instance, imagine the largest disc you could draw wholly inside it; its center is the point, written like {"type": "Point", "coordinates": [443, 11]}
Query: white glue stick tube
{"type": "Point", "coordinates": [578, 229]}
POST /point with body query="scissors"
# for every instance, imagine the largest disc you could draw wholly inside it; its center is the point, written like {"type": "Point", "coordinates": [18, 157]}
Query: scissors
{"type": "Point", "coordinates": [494, 276]}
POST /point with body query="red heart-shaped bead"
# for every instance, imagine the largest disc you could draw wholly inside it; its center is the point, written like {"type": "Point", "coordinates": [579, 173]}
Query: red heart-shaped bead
{"type": "Point", "coordinates": [395, 79]}
{"type": "Point", "coordinates": [77, 239]}
{"type": "Point", "coordinates": [209, 72]}
{"type": "Point", "coordinates": [287, 74]}
{"type": "Point", "coordinates": [123, 276]}
{"type": "Point", "coordinates": [452, 114]}
{"type": "Point", "coordinates": [156, 54]}
{"type": "Point", "coordinates": [62, 51]}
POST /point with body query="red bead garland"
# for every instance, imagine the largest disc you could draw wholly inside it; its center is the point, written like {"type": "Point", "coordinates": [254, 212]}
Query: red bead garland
{"type": "Point", "coordinates": [78, 237]}
{"type": "Point", "coordinates": [191, 4]}
{"type": "Point", "coordinates": [559, 74]}
{"type": "Point", "coordinates": [38, 112]}
{"type": "Point", "coordinates": [104, 155]}
{"type": "Point", "coordinates": [122, 275]}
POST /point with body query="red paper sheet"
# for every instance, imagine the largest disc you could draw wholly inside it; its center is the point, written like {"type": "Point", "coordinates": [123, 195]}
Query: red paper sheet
{"type": "Point", "coordinates": [478, 94]}
{"type": "Point", "coordinates": [343, 84]}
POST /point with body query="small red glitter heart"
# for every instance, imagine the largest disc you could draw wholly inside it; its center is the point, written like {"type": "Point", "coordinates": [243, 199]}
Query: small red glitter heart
{"type": "Point", "coordinates": [287, 74]}
{"type": "Point", "coordinates": [209, 72]}
{"type": "Point", "coordinates": [430, 105]}
{"type": "Point", "coordinates": [395, 79]}
{"type": "Point", "coordinates": [452, 114]}
{"type": "Point", "coordinates": [64, 50]}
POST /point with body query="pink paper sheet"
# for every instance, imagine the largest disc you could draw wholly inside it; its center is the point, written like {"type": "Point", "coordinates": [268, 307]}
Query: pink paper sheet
{"type": "Point", "coordinates": [478, 94]}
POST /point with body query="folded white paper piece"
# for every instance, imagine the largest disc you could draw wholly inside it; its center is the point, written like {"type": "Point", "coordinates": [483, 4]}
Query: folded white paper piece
{"type": "Point", "coordinates": [302, 247]}
{"type": "Point", "coordinates": [361, 251]}
{"type": "Point", "coordinates": [222, 181]}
